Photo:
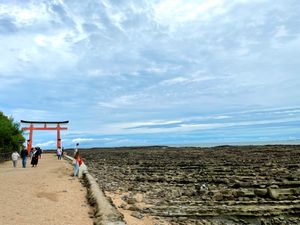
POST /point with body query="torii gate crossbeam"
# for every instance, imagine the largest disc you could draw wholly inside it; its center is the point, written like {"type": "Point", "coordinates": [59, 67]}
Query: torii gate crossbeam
{"type": "Point", "coordinates": [31, 128]}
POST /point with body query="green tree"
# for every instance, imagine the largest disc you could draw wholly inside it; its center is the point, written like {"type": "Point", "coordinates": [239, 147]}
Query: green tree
{"type": "Point", "coordinates": [10, 134]}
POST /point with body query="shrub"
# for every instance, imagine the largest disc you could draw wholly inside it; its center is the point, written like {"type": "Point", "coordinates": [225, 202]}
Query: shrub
{"type": "Point", "coordinates": [10, 134]}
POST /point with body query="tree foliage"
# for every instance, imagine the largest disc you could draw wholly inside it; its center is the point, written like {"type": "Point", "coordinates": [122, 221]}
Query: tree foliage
{"type": "Point", "coordinates": [10, 134]}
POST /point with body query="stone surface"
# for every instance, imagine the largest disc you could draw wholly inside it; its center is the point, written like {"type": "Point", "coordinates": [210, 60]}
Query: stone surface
{"type": "Point", "coordinates": [261, 192]}
{"type": "Point", "coordinates": [137, 215]}
{"type": "Point", "coordinates": [273, 193]}
{"type": "Point", "coordinates": [219, 185]}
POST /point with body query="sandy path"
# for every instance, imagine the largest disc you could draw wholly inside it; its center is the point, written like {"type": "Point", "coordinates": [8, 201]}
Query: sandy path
{"type": "Point", "coordinates": [45, 195]}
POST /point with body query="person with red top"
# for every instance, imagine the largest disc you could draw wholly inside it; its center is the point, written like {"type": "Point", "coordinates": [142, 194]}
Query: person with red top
{"type": "Point", "coordinates": [76, 163]}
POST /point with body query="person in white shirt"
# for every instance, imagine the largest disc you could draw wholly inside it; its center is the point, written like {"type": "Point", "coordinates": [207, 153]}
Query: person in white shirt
{"type": "Point", "coordinates": [15, 156]}
{"type": "Point", "coordinates": [58, 152]}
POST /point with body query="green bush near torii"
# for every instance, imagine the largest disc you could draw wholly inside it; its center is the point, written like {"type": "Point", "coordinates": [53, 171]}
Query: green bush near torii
{"type": "Point", "coordinates": [10, 134]}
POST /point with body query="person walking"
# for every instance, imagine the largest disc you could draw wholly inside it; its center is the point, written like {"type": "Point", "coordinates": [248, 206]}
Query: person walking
{"type": "Point", "coordinates": [24, 156]}
{"type": "Point", "coordinates": [34, 158]}
{"type": "Point", "coordinates": [58, 153]}
{"type": "Point", "coordinates": [39, 151]}
{"type": "Point", "coordinates": [31, 152]}
{"type": "Point", "coordinates": [76, 164]}
{"type": "Point", "coordinates": [14, 156]}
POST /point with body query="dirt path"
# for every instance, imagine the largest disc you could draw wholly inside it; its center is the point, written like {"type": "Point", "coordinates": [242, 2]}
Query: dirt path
{"type": "Point", "coordinates": [45, 195]}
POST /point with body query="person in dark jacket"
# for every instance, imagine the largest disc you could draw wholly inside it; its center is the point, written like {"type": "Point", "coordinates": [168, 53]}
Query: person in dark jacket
{"type": "Point", "coordinates": [39, 152]}
{"type": "Point", "coordinates": [34, 158]}
{"type": "Point", "coordinates": [24, 156]}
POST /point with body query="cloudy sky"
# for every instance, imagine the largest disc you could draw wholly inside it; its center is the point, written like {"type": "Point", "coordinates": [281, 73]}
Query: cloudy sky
{"type": "Point", "coordinates": [145, 72]}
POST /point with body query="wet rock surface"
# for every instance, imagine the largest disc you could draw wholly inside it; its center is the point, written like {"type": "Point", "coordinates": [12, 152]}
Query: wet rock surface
{"type": "Point", "coordinates": [220, 185]}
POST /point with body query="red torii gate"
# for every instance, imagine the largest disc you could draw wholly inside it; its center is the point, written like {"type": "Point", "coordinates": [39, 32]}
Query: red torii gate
{"type": "Point", "coordinates": [31, 128]}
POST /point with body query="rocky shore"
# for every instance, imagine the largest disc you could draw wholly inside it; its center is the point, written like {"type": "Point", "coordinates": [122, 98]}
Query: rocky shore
{"type": "Point", "coordinates": [219, 185]}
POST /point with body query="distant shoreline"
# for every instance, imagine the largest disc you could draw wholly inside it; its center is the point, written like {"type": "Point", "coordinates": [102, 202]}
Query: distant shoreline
{"type": "Point", "coordinates": [202, 145]}
{"type": "Point", "coordinates": [287, 142]}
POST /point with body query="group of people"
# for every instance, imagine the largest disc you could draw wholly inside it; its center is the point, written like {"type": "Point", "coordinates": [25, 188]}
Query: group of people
{"type": "Point", "coordinates": [35, 154]}
{"type": "Point", "coordinates": [77, 162]}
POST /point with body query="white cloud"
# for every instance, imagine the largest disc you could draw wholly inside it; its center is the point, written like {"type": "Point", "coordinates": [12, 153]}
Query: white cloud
{"type": "Point", "coordinates": [187, 80]}
{"type": "Point", "coordinates": [122, 101]}
{"type": "Point", "coordinates": [82, 140]}
{"type": "Point", "coordinates": [26, 15]}
{"type": "Point", "coordinates": [221, 117]}
{"type": "Point", "coordinates": [189, 127]}
{"type": "Point", "coordinates": [88, 140]}
{"type": "Point", "coordinates": [281, 32]}
{"type": "Point", "coordinates": [107, 105]}
{"type": "Point", "coordinates": [55, 42]}
{"type": "Point", "coordinates": [30, 114]}
{"type": "Point", "coordinates": [173, 12]}
{"type": "Point", "coordinates": [149, 123]}
{"type": "Point", "coordinates": [95, 73]}
{"type": "Point", "coordinates": [46, 144]}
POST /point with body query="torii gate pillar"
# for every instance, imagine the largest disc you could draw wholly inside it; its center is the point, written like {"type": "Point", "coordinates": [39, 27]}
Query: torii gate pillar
{"type": "Point", "coordinates": [31, 128]}
{"type": "Point", "coordinates": [58, 142]}
{"type": "Point", "coordinates": [29, 141]}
